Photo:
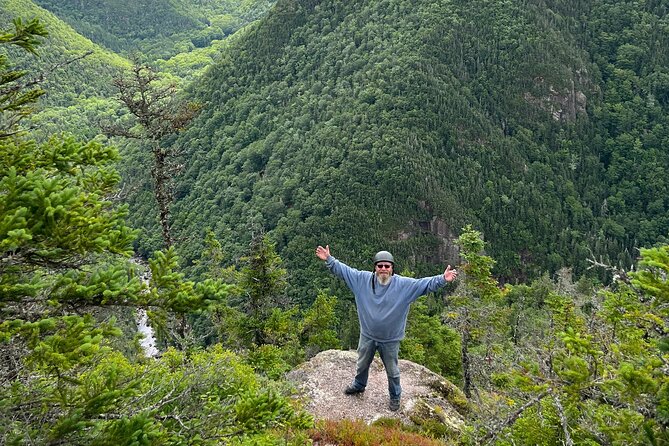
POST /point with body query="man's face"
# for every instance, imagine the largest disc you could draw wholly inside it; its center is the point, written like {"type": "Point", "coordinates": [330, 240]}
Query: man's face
{"type": "Point", "coordinates": [384, 271]}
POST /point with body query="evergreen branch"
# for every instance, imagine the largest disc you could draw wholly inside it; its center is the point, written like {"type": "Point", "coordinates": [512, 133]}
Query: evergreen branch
{"type": "Point", "coordinates": [492, 434]}
{"type": "Point", "coordinates": [592, 393]}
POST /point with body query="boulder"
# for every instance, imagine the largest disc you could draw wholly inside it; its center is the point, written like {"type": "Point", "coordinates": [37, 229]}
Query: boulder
{"type": "Point", "coordinates": [426, 396]}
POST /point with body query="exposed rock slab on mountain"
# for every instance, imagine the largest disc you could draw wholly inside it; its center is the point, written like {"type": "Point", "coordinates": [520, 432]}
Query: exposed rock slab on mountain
{"type": "Point", "coordinates": [425, 395]}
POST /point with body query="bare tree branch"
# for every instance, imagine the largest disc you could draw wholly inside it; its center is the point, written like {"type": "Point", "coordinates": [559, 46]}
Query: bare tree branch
{"type": "Point", "coordinates": [563, 420]}
{"type": "Point", "coordinates": [618, 273]}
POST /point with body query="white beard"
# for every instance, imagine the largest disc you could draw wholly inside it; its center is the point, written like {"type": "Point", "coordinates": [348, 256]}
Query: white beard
{"type": "Point", "coordinates": [383, 280]}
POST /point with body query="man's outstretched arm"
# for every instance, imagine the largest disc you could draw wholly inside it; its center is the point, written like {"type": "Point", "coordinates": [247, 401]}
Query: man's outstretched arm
{"type": "Point", "coordinates": [350, 275]}
{"type": "Point", "coordinates": [431, 284]}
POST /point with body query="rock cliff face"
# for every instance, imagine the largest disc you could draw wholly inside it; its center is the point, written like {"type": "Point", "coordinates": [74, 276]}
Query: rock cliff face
{"type": "Point", "coordinates": [425, 395]}
{"type": "Point", "coordinates": [565, 104]}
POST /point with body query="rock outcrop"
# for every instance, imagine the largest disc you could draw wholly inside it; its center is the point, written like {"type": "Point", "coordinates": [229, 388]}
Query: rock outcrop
{"type": "Point", "coordinates": [425, 395]}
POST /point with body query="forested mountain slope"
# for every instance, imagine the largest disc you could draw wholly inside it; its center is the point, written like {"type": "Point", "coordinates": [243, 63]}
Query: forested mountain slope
{"type": "Point", "coordinates": [63, 44]}
{"type": "Point", "coordinates": [81, 94]}
{"type": "Point", "coordinates": [156, 28]}
{"type": "Point", "coordinates": [391, 124]}
{"type": "Point", "coordinates": [77, 74]}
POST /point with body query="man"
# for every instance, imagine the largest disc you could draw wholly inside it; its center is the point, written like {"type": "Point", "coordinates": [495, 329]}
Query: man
{"type": "Point", "coordinates": [383, 299]}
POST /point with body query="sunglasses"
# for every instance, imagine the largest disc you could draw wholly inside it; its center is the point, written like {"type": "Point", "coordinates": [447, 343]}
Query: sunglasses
{"type": "Point", "coordinates": [384, 265]}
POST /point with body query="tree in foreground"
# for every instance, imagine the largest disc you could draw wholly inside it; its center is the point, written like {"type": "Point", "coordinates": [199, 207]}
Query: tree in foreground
{"type": "Point", "coordinates": [591, 371]}
{"type": "Point", "coordinates": [64, 276]}
{"type": "Point", "coordinates": [478, 315]}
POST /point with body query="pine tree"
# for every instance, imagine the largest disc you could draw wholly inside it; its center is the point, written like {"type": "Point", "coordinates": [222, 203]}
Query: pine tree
{"type": "Point", "coordinates": [318, 325]}
{"type": "Point", "coordinates": [479, 315]}
{"type": "Point", "coordinates": [17, 92]}
{"type": "Point", "coordinates": [263, 281]}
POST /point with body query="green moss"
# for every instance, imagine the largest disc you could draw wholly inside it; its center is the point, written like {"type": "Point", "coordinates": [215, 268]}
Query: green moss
{"type": "Point", "coordinates": [433, 421]}
{"type": "Point", "coordinates": [453, 395]}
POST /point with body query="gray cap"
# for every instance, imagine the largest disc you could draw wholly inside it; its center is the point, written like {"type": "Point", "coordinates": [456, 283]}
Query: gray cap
{"type": "Point", "coordinates": [383, 256]}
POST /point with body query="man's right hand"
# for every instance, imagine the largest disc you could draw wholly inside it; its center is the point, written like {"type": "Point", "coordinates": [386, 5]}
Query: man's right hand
{"type": "Point", "coordinates": [323, 253]}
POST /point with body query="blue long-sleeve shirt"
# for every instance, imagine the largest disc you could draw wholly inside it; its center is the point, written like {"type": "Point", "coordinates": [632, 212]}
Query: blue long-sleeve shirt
{"type": "Point", "coordinates": [383, 311]}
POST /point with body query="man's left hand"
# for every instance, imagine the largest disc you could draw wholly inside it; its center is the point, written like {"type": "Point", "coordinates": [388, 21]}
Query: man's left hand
{"type": "Point", "coordinates": [450, 274]}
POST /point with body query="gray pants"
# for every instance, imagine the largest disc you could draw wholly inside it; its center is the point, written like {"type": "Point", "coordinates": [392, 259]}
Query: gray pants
{"type": "Point", "coordinates": [389, 352]}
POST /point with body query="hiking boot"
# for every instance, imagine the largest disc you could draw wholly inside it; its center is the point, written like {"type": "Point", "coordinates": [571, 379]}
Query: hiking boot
{"type": "Point", "coordinates": [352, 390]}
{"type": "Point", "coordinates": [394, 404]}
